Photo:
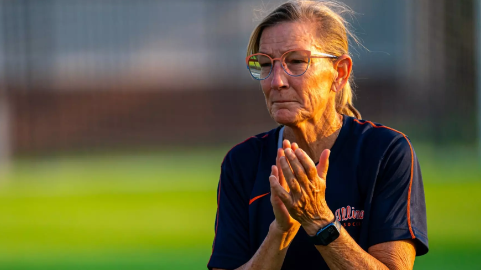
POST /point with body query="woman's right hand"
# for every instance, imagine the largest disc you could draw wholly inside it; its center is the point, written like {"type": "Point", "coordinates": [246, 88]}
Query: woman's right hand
{"type": "Point", "coordinates": [283, 222]}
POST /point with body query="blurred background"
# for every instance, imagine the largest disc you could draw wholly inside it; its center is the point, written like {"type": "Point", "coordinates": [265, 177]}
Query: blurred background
{"type": "Point", "coordinates": [115, 116]}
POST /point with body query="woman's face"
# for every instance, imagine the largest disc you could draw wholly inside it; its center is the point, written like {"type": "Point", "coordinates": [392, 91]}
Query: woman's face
{"type": "Point", "coordinates": [294, 100]}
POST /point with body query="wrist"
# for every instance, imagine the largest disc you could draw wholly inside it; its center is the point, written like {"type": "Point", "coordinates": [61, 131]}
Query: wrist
{"type": "Point", "coordinates": [284, 236]}
{"type": "Point", "coordinates": [276, 229]}
{"type": "Point", "coordinates": [314, 226]}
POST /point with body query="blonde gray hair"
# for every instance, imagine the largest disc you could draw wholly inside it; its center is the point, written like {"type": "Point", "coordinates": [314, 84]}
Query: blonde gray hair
{"type": "Point", "coordinates": [333, 36]}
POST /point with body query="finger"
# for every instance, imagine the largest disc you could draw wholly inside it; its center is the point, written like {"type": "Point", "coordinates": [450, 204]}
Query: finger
{"type": "Point", "coordinates": [280, 153]}
{"type": "Point", "coordinates": [274, 171]}
{"type": "Point", "coordinates": [279, 191]}
{"type": "Point", "coordinates": [289, 176]}
{"type": "Point", "coordinates": [280, 210]}
{"type": "Point", "coordinates": [307, 163]}
{"type": "Point", "coordinates": [275, 200]}
{"type": "Point", "coordinates": [286, 144]}
{"type": "Point", "coordinates": [323, 165]}
{"type": "Point", "coordinates": [298, 170]}
{"type": "Point", "coordinates": [282, 180]}
{"type": "Point", "coordinates": [294, 146]}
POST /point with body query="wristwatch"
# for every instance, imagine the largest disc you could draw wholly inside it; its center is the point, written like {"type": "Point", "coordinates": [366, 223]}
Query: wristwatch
{"type": "Point", "coordinates": [327, 234]}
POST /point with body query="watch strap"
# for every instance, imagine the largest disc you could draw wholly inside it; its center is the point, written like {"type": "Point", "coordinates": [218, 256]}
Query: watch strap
{"type": "Point", "coordinates": [327, 234]}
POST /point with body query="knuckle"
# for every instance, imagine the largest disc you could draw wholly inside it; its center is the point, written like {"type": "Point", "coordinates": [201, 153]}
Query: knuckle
{"type": "Point", "coordinates": [296, 187]}
{"type": "Point", "coordinates": [299, 168]}
{"type": "Point", "coordinates": [312, 171]}
{"type": "Point", "coordinates": [292, 180]}
{"type": "Point", "coordinates": [285, 165]}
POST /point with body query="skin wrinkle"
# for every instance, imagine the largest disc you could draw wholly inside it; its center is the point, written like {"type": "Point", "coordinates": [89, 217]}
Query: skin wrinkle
{"type": "Point", "coordinates": [312, 92]}
{"type": "Point", "coordinates": [393, 256]}
{"type": "Point", "coordinates": [309, 209]}
{"type": "Point", "coordinates": [312, 123]}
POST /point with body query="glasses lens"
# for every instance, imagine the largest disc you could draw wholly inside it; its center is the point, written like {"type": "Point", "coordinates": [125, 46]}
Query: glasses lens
{"type": "Point", "coordinates": [260, 66]}
{"type": "Point", "coordinates": [296, 62]}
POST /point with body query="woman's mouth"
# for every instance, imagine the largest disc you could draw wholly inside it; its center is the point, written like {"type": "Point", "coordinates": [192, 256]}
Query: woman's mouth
{"type": "Point", "coordinates": [282, 101]}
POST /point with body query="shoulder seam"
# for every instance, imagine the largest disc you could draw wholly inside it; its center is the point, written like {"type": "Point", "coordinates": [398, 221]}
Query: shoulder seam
{"type": "Point", "coordinates": [251, 137]}
{"type": "Point", "coordinates": [218, 194]}
{"type": "Point", "coordinates": [412, 167]}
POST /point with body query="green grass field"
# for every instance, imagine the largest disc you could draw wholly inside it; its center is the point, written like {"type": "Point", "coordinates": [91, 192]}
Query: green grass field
{"type": "Point", "coordinates": [156, 210]}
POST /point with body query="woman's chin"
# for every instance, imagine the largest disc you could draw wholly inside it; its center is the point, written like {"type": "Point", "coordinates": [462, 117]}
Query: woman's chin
{"type": "Point", "coordinates": [284, 118]}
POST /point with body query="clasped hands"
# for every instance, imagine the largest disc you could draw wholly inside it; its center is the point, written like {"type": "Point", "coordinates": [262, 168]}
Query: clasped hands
{"type": "Point", "coordinates": [298, 190]}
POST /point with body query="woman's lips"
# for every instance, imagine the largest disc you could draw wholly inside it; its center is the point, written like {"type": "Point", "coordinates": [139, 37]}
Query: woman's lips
{"type": "Point", "coordinates": [283, 101]}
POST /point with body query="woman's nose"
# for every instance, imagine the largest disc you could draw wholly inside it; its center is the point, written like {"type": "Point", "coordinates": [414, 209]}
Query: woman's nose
{"type": "Point", "coordinates": [279, 78]}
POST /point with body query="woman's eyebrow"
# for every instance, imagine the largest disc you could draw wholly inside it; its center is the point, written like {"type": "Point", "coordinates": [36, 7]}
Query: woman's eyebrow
{"type": "Point", "coordinates": [264, 53]}
{"type": "Point", "coordinates": [281, 52]}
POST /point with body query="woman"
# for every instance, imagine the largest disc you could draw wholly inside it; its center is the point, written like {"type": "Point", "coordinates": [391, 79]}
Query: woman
{"type": "Point", "coordinates": [361, 207]}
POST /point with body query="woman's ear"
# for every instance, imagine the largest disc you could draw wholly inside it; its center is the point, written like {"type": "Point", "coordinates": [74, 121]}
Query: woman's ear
{"type": "Point", "coordinates": [343, 66]}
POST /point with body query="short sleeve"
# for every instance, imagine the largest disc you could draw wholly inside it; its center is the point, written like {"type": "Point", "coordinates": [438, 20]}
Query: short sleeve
{"type": "Point", "coordinates": [230, 248]}
{"type": "Point", "coordinates": [398, 209]}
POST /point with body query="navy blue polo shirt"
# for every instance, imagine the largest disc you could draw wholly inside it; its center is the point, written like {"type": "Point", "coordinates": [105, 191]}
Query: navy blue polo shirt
{"type": "Point", "coordinates": [374, 188]}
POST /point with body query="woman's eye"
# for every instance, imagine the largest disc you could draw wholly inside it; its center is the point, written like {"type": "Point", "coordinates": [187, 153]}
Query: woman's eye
{"type": "Point", "coordinates": [265, 64]}
{"type": "Point", "coordinates": [297, 61]}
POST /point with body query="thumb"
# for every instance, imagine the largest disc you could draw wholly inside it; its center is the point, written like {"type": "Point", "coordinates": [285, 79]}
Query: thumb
{"type": "Point", "coordinates": [323, 164]}
{"type": "Point", "coordinates": [278, 191]}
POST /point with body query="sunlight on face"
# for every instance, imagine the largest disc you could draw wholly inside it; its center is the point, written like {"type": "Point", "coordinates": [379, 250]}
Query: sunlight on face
{"type": "Point", "coordinates": [293, 100]}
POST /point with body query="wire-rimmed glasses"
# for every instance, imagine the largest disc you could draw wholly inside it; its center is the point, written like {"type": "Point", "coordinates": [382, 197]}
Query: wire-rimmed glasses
{"type": "Point", "coordinates": [294, 62]}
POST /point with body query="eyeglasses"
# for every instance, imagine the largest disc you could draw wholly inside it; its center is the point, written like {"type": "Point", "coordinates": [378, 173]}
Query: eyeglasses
{"type": "Point", "coordinates": [294, 63]}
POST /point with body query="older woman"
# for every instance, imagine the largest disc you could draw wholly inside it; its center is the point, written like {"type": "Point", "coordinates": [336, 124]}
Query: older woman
{"type": "Point", "coordinates": [366, 212]}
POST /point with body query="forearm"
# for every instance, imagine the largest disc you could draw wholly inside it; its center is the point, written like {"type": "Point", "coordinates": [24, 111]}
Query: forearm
{"type": "Point", "coordinates": [306, 203]}
{"type": "Point", "coordinates": [272, 251]}
{"type": "Point", "coordinates": [345, 253]}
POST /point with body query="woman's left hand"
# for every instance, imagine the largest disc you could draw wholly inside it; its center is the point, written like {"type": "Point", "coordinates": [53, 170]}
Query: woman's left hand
{"type": "Point", "coordinates": [305, 201]}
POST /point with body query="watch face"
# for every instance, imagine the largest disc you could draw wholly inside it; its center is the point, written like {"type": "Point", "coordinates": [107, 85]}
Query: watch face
{"type": "Point", "coordinates": [326, 235]}
{"type": "Point", "coordinates": [330, 234]}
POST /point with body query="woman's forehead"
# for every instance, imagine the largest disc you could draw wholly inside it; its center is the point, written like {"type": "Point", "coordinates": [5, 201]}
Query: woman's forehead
{"type": "Point", "coordinates": [288, 36]}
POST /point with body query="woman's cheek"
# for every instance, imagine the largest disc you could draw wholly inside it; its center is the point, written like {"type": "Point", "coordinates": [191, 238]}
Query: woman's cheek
{"type": "Point", "coordinates": [265, 86]}
{"type": "Point", "coordinates": [267, 97]}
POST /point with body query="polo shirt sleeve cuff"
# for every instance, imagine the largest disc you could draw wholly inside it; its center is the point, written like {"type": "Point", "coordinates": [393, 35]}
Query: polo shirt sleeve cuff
{"type": "Point", "coordinates": [222, 261]}
{"type": "Point", "coordinates": [393, 234]}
